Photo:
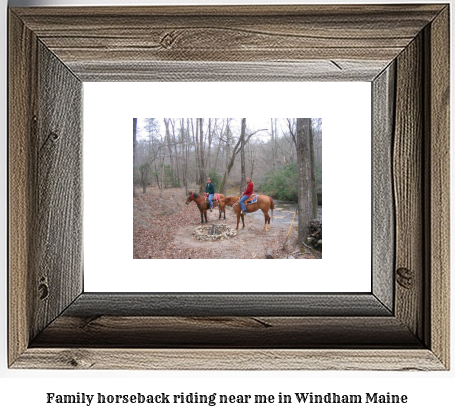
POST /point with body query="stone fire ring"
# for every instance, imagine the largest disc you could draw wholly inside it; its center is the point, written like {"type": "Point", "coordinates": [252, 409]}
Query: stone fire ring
{"type": "Point", "coordinates": [213, 232]}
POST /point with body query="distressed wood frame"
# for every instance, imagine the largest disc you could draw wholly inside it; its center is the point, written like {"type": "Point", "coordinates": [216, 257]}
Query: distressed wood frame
{"type": "Point", "coordinates": [403, 324]}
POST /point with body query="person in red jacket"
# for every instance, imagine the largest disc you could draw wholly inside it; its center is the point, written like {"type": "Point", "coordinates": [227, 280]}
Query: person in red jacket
{"type": "Point", "coordinates": [246, 194]}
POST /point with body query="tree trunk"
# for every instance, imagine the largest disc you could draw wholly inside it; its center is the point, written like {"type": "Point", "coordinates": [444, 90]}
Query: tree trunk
{"type": "Point", "coordinates": [202, 170]}
{"type": "Point", "coordinates": [162, 175]}
{"type": "Point", "coordinates": [169, 146]}
{"type": "Point", "coordinates": [252, 162]}
{"type": "Point", "coordinates": [185, 146]}
{"type": "Point", "coordinates": [196, 149]}
{"type": "Point", "coordinates": [313, 175]}
{"type": "Point", "coordinates": [176, 170]}
{"type": "Point", "coordinates": [157, 178]}
{"type": "Point", "coordinates": [242, 156]}
{"type": "Point", "coordinates": [273, 143]}
{"type": "Point", "coordinates": [305, 190]}
{"type": "Point", "coordinates": [227, 152]}
{"type": "Point", "coordinates": [134, 152]}
{"type": "Point", "coordinates": [209, 143]}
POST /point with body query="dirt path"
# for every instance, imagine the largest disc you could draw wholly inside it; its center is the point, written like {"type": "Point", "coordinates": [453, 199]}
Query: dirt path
{"type": "Point", "coordinates": [251, 242]}
{"type": "Point", "coordinates": [163, 228]}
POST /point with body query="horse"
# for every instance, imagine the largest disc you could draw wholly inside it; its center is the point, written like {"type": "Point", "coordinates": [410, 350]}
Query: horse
{"type": "Point", "coordinates": [203, 204]}
{"type": "Point", "coordinates": [221, 205]}
{"type": "Point", "coordinates": [265, 203]}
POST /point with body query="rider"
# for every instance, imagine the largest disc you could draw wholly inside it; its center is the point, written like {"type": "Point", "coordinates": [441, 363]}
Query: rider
{"type": "Point", "coordinates": [246, 194]}
{"type": "Point", "coordinates": [210, 190]}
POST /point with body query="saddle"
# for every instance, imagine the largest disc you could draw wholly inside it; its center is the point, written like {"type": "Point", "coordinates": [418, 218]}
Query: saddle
{"type": "Point", "coordinates": [216, 197]}
{"type": "Point", "coordinates": [252, 199]}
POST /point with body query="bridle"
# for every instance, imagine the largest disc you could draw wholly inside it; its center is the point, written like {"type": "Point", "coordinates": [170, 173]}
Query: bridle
{"type": "Point", "coordinates": [193, 199]}
{"type": "Point", "coordinates": [190, 199]}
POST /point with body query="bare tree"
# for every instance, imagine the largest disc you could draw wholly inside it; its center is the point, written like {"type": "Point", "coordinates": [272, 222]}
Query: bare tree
{"type": "Point", "coordinates": [313, 177]}
{"type": "Point", "coordinates": [251, 160]}
{"type": "Point", "coordinates": [134, 151]}
{"type": "Point", "coordinates": [185, 146]}
{"type": "Point", "coordinates": [202, 158]}
{"type": "Point", "coordinates": [242, 155]}
{"type": "Point", "coordinates": [233, 156]}
{"type": "Point", "coordinates": [305, 188]}
{"type": "Point", "coordinates": [273, 144]}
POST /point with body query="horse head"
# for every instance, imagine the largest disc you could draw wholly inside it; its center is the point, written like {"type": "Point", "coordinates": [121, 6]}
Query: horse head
{"type": "Point", "coordinates": [190, 198]}
{"type": "Point", "coordinates": [231, 200]}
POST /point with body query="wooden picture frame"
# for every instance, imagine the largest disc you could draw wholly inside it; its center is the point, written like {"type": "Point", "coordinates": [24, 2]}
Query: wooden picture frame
{"type": "Point", "coordinates": [403, 324]}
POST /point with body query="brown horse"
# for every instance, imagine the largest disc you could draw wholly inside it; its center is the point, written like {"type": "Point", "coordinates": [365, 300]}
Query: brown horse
{"type": "Point", "coordinates": [221, 205]}
{"type": "Point", "coordinates": [265, 203]}
{"type": "Point", "coordinates": [203, 204]}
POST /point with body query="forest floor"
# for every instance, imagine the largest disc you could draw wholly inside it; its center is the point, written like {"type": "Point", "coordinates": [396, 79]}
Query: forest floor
{"type": "Point", "coordinates": [163, 228]}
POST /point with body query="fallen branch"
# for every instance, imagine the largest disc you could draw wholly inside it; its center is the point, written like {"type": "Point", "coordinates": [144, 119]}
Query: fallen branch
{"type": "Point", "coordinates": [313, 251]}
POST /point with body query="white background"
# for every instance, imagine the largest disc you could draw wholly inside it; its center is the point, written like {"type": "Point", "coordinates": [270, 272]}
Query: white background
{"type": "Point", "coordinates": [24, 391]}
{"type": "Point", "coordinates": [345, 109]}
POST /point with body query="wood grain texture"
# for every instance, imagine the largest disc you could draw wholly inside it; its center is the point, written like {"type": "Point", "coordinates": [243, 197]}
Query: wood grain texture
{"type": "Point", "coordinates": [228, 34]}
{"type": "Point", "coordinates": [439, 191]}
{"type": "Point", "coordinates": [21, 131]}
{"type": "Point", "coordinates": [89, 305]}
{"type": "Point", "coordinates": [256, 332]}
{"type": "Point", "coordinates": [230, 359]}
{"type": "Point", "coordinates": [44, 186]}
{"type": "Point", "coordinates": [383, 215]}
{"type": "Point", "coordinates": [58, 205]}
{"type": "Point", "coordinates": [309, 71]}
{"type": "Point", "coordinates": [53, 49]}
{"type": "Point", "coordinates": [408, 188]}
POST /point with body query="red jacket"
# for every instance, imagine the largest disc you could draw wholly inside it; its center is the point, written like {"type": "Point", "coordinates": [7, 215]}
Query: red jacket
{"type": "Point", "coordinates": [249, 189]}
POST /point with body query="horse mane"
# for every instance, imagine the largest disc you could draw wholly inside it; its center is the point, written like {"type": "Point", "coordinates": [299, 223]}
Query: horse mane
{"type": "Point", "coordinates": [195, 195]}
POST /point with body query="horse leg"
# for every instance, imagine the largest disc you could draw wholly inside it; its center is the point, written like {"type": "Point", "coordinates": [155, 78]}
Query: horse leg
{"type": "Point", "coordinates": [238, 221]}
{"type": "Point", "coordinates": [243, 221]}
{"type": "Point", "coordinates": [224, 213]}
{"type": "Point", "coordinates": [202, 216]}
{"type": "Point", "coordinates": [267, 220]}
{"type": "Point", "coordinates": [205, 214]}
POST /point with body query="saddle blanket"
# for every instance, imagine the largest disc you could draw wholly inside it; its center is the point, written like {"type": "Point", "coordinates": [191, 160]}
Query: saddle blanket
{"type": "Point", "coordinates": [216, 196]}
{"type": "Point", "coordinates": [252, 199]}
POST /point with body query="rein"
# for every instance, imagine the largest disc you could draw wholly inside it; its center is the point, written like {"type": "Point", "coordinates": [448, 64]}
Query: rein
{"type": "Point", "coordinates": [235, 204]}
{"type": "Point", "coordinates": [195, 201]}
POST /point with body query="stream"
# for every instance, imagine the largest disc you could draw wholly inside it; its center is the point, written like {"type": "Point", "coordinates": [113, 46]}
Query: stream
{"type": "Point", "coordinates": [283, 213]}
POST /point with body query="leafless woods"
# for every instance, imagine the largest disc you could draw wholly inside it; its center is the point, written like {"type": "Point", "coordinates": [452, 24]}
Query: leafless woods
{"type": "Point", "coordinates": [283, 156]}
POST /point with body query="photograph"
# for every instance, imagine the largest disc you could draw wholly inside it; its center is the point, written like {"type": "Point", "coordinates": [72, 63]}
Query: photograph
{"type": "Point", "coordinates": [227, 188]}
{"type": "Point", "coordinates": [102, 279]}
{"type": "Point", "coordinates": [191, 176]}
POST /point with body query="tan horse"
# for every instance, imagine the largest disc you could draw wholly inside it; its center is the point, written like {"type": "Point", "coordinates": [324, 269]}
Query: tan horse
{"type": "Point", "coordinates": [221, 205]}
{"type": "Point", "coordinates": [265, 203]}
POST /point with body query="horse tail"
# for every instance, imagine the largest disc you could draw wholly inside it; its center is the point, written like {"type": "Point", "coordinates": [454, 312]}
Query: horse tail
{"type": "Point", "coordinates": [272, 205]}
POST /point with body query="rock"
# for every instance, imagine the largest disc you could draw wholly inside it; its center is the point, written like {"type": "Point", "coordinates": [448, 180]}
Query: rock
{"type": "Point", "coordinates": [213, 232]}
